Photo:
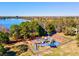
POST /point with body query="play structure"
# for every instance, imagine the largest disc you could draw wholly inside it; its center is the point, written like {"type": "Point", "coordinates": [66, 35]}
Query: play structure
{"type": "Point", "coordinates": [46, 41]}
{"type": "Point", "coordinates": [54, 44]}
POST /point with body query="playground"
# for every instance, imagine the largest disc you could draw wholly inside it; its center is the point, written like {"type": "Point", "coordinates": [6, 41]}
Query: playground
{"type": "Point", "coordinates": [49, 41]}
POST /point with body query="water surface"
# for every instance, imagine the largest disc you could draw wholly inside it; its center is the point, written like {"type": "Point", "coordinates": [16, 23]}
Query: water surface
{"type": "Point", "coordinates": [8, 22]}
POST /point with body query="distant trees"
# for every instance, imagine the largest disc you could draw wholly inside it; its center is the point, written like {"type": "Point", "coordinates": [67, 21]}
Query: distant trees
{"type": "Point", "coordinates": [67, 25]}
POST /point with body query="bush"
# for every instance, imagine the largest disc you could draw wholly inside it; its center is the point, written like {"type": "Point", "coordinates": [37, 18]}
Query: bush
{"type": "Point", "coordinates": [3, 37]}
{"type": "Point", "coordinates": [22, 48]}
{"type": "Point", "coordinates": [70, 31]}
{"type": "Point", "coordinates": [2, 50]}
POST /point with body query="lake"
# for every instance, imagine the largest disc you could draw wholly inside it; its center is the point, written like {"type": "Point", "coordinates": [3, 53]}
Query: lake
{"type": "Point", "coordinates": [8, 22]}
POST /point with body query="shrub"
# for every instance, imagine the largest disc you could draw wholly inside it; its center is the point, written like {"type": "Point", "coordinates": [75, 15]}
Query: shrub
{"type": "Point", "coordinates": [2, 50]}
{"type": "Point", "coordinates": [23, 47]}
{"type": "Point", "coordinates": [3, 37]}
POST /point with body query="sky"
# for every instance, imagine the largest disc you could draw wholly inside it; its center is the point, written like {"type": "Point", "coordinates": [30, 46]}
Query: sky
{"type": "Point", "coordinates": [39, 8]}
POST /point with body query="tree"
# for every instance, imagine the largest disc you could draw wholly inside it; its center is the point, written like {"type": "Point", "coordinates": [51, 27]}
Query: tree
{"type": "Point", "coordinates": [50, 28]}
{"type": "Point", "coordinates": [25, 30]}
{"type": "Point", "coordinates": [47, 26]}
{"type": "Point", "coordinates": [70, 31]}
{"type": "Point", "coordinates": [41, 31]}
{"type": "Point", "coordinates": [29, 29]}
{"type": "Point", "coordinates": [15, 32]}
{"type": "Point", "coordinates": [2, 50]}
{"type": "Point", "coordinates": [3, 37]}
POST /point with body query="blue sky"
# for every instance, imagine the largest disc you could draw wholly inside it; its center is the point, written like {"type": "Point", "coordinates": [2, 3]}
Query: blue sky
{"type": "Point", "coordinates": [39, 9]}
